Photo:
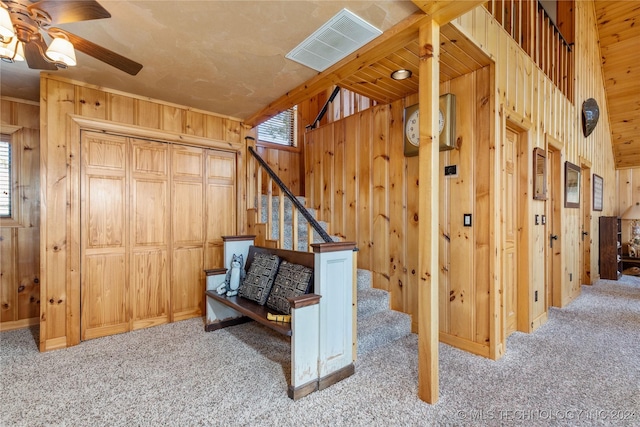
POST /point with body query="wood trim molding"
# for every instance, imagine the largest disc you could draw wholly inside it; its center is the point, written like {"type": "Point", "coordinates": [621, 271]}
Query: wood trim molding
{"type": "Point", "coordinates": [99, 125]}
{"type": "Point", "coordinates": [9, 129]}
{"type": "Point", "coordinates": [336, 376]}
{"type": "Point", "coordinates": [333, 247]}
{"type": "Point", "coordinates": [296, 393]}
{"type": "Point", "coordinates": [215, 271]}
{"type": "Point", "coordinates": [238, 238]}
{"type": "Point", "coordinates": [304, 300]}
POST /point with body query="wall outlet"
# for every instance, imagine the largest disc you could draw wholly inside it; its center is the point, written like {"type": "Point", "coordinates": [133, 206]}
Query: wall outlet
{"type": "Point", "coordinates": [451, 171]}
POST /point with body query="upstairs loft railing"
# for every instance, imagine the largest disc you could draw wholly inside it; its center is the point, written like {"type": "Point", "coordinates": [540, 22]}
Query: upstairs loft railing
{"type": "Point", "coordinates": [531, 27]}
{"type": "Point", "coordinates": [256, 166]}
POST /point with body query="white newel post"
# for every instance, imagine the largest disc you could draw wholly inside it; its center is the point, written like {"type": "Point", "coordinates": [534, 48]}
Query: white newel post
{"type": "Point", "coordinates": [305, 318]}
{"type": "Point", "coordinates": [333, 280]}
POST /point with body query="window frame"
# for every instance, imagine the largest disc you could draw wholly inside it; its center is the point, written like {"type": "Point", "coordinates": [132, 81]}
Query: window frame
{"type": "Point", "coordinates": [11, 134]}
{"type": "Point", "coordinates": [294, 130]}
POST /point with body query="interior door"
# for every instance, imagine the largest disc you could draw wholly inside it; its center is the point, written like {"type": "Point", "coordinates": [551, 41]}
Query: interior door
{"type": "Point", "coordinates": [104, 210]}
{"type": "Point", "coordinates": [511, 230]}
{"type": "Point", "coordinates": [554, 254]}
{"type": "Point", "coordinates": [585, 215]}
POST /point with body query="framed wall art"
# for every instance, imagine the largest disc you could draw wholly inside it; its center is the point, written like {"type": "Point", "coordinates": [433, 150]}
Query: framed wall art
{"type": "Point", "coordinates": [598, 187]}
{"type": "Point", "coordinates": [539, 174]}
{"type": "Point", "coordinates": [571, 185]}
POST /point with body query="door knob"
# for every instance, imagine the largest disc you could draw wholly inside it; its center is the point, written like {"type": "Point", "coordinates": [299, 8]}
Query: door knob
{"type": "Point", "coordinates": [552, 237]}
{"type": "Point", "coordinates": [584, 233]}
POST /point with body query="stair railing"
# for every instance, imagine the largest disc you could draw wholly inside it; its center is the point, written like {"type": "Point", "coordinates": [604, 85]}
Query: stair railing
{"type": "Point", "coordinates": [255, 202]}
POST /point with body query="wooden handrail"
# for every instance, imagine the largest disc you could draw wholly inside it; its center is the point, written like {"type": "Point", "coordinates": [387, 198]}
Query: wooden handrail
{"type": "Point", "coordinates": [273, 177]}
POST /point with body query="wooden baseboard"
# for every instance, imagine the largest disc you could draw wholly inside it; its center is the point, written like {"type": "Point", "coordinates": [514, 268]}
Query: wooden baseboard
{"type": "Point", "coordinates": [302, 391]}
{"type": "Point", "coordinates": [225, 323]}
{"type": "Point", "coordinates": [19, 324]}
{"type": "Point", "coordinates": [336, 376]}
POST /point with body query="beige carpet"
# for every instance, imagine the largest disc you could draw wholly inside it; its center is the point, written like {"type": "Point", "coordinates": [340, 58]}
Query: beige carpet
{"type": "Point", "coordinates": [581, 368]}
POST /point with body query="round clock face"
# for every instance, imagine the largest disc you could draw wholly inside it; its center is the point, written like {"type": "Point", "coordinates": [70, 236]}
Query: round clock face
{"type": "Point", "coordinates": [412, 128]}
{"type": "Point", "coordinates": [440, 121]}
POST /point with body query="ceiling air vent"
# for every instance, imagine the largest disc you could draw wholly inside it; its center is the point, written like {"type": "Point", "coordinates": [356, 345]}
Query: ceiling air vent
{"type": "Point", "coordinates": [340, 36]}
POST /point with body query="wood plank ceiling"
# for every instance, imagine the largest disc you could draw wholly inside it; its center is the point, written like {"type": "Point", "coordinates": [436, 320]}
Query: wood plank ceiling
{"type": "Point", "coordinates": [619, 33]}
{"type": "Point", "coordinates": [368, 73]}
{"type": "Point", "coordinates": [458, 56]}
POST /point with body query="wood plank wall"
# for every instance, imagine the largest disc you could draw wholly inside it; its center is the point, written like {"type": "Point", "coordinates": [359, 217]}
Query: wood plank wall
{"type": "Point", "coordinates": [628, 183]}
{"type": "Point", "coordinates": [374, 206]}
{"type": "Point", "coordinates": [63, 104]}
{"type": "Point", "coordinates": [529, 99]}
{"type": "Point", "coordinates": [20, 243]}
{"type": "Point", "coordinates": [363, 185]}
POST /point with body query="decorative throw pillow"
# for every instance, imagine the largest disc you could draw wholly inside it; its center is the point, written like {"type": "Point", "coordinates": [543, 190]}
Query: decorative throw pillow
{"type": "Point", "coordinates": [259, 279]}
{"type": "Point", "coordinates": [292, 280]}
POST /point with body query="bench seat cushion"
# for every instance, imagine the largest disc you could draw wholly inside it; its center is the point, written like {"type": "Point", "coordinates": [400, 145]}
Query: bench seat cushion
{"type": "Point", "coordinates": [292, 280]}
{"type": "Point", "coordinates": [259, 279]}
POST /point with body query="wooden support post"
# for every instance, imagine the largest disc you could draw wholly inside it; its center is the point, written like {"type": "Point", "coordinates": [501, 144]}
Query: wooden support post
{"type": "Point", "coordinates": [428, 195]}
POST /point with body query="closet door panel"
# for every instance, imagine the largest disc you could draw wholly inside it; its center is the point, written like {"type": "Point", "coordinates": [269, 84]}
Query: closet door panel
{"type": "Point", "coordinates": [187, 231]}
{"type": "Point", "coordinates": [188, 283]}
{"type": "Point", "coordinates": [150, 243]}
{"type": "Point", "coordinates": [221, 204]}
{"type": "Point", "coordinates": [104, 238]}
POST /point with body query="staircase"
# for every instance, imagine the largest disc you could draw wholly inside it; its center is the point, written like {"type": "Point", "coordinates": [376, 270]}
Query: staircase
{"type": "Point", "coordinates": [377, 324]}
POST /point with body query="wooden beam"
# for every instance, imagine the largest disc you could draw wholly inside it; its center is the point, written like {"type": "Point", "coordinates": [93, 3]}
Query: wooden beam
{"type": "Point", "coordinates": [390, 41]}
{"type": "Point", "coordinates": [445, 11]}
{"type": "Point", "coordinates": [428, 196]}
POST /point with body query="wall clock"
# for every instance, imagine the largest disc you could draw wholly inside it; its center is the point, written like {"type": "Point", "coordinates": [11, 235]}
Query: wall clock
{"type": "Point", "coordinates": [446, 125]}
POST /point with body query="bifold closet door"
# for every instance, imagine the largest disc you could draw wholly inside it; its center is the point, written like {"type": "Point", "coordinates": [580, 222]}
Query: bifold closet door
{"type": "Point", "coordinates": [152, 217]}
{"type": "Point", "coordinates": [150, 241]}
{"type": "Point", "coordinates": [104, 211]}
{"type": "Point", "coordinates": [221, 204]}
{"type": "Point", "coordinates": [187, 218]}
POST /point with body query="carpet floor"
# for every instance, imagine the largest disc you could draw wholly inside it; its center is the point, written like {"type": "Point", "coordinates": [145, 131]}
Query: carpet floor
{"type": "Point", "coordinates": [581, 368]}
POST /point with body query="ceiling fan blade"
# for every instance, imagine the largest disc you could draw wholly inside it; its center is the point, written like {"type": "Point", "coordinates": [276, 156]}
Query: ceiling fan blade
{"type": "Point", "coordinates": [105, 55]}
{"type": "Point", "coordinates": [34, 54]}
{"type": "Point", "coordinates": [63, 12]}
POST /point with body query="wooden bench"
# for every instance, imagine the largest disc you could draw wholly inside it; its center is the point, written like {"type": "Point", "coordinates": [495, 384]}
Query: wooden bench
{"type": "Point", "coordinates": [321, 327]}
{"type": "Point", "coordinates": [251, 310]}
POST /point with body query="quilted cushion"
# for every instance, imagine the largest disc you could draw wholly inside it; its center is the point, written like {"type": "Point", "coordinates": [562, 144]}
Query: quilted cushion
{"type": "Point", "coordinates": [292, 280]}
{"type": "Point", "coordinates": [259, 280]}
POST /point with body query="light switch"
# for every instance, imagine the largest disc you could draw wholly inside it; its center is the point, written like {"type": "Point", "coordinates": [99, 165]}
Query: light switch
{"type": "Point", "coordinates": [467, 220]}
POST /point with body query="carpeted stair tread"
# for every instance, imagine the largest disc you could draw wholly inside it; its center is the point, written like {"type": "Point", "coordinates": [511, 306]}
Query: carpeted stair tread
{"type": "Point", "coordinates": [371, 302]}
{"type": "Point", "coordinates": [381, 329]}
{"type": "Point", "coordinates": [377, 325]}
{"type": "Point", "coordinates": [364, 279]}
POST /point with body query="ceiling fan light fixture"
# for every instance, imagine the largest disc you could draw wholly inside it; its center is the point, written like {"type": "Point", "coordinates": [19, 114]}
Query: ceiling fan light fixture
{"type": "Point", "coordinates": [12, 51]}
{"type": "Point", "coordinates": [61, 51]}
{"type": "Point", "coordinates": [6, 26]}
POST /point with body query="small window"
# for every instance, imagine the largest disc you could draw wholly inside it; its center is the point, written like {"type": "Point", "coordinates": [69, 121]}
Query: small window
{"type": "Point", "coordinates": [5, 177]}
{"type": "Point", "coordinates": [281, 129]}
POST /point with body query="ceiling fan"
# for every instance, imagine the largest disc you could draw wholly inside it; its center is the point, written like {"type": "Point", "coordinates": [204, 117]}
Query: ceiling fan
{"type": "Point", "coordinates": [22, 24]}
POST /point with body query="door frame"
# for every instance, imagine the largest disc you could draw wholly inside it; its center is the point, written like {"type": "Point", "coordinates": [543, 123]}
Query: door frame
{"type": "Point", "coordinates": [585, 220]}
{"type": "Point", "coordinates": [523, 175]}
{"type": "Point", "coordinates": [554, 261]}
